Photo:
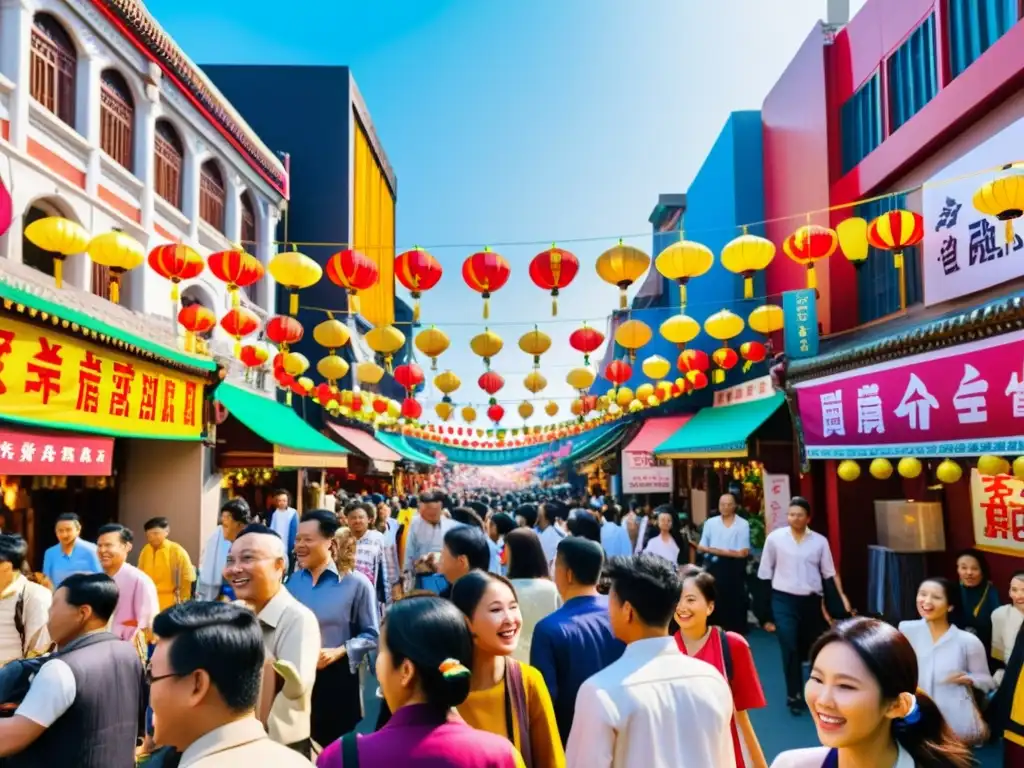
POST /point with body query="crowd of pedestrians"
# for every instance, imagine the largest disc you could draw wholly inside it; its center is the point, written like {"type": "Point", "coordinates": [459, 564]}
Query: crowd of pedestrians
{"type": "Point", "coordinates": [519, 630]}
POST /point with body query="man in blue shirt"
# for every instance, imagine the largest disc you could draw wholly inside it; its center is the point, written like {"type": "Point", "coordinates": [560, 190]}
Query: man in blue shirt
{"type": "Point", "coordinates": [576, 641]}
{"type": "Point", "coordinates": [71, 554]}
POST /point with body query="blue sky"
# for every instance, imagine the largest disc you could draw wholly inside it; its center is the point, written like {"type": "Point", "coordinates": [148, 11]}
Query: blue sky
{"type": "Point", "coordinates": [525, 122]}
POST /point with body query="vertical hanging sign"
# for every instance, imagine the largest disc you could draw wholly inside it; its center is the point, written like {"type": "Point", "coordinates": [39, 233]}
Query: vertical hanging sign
{"type": "Point", "coordinates": [800, 323]}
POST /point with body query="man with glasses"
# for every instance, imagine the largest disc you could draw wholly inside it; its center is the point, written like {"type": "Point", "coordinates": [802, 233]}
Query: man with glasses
{"type": "Point", "coordinates": [204, 685]}
{"type": "Point", "coordinates": [255, 569]}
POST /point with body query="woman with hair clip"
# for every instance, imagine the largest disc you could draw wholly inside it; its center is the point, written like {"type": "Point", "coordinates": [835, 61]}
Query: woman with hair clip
{"type": "Point", "coordinates": [426, 653]}
{"type": "Point", "coordinates": [863, 696]}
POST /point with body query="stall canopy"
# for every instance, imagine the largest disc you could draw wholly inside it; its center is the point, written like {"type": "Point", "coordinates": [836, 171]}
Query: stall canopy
{"type": "Point", "coordinates": [607, 443]}
{"type": "Point", "coordinates": [720, 432]}
{"type": "Point", "coordinates": [381, 458]}
{"type": "Point", "coordinates": [400, 445]}
{"type": "Point", "coordinates": [656, 431]}
{"type": "Point", "coordinates": [296, 444]}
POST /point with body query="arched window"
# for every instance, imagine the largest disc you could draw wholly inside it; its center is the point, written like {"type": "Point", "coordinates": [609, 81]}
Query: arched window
{"type": "Point", "coordinates": [117, 116]}
{"type": "Point", "coordinates": [54, 62]}
{"type": "Point", "coordinates": [170, 156]}
{"type": "Point", "coordinates": [248, 235]}
{"type": "Point", "coordinates": [31, 254]}
{"type": "Point", "coordinates": [212, 195]}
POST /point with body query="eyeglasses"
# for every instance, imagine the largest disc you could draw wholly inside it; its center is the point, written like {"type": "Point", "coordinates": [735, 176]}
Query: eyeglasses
{"type": "Point", "coordinates": [151, 678]}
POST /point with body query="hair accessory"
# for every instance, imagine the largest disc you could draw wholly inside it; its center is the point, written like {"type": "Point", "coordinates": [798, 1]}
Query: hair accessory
{"type": "Point", "coordinates": [913, 717]}
{"type": "Point", "coordinates": [453, 668]}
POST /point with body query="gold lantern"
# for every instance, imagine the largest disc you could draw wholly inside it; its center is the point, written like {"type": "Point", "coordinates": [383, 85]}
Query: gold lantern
{"type": "Point", "coordinates": [385, 340]}
{"type": "Point", "coordinates": [948, 472]}
{"type": "Point", "coordinates": [993, 465]}
{"type": "Point", "coordinates": [295, 364]}
{"type": "Point", "coordinates": [853, 240]}
{"type": "Point", "coordinates": [432, 342]}
{"type": "Point", "coordinates": [723, 326]}
{"type": "Point", "coordinates": [394, 409]}
{"type": "Point", "coordinates": [656, 367]}
{"type": "Point", "coordinates": [525, 409]}
{"type": "Point", "coordinates": [631, 336]}
{"type": "Point", "coordinates": [1003, 198]}
{"type": "Point", "coordinates": [469, 414]}
{"type": "Point", "coordinates": [580, 379]}
{"type": "Point", "coordinates": [368, 372]}
{"type": "Point", "coordinates": [622, 265]}
{"type": "Point", "coordinates": [551, 409]}
{"type": "Point", "coordinates": [306, 383]}
{"type": "Point", "coordinates": [295, 271]}
{"type": "Point", "coordinates": [746, 255]}
{"type": "Point", "coordinates": [766, 319]}
{"type": "Point", "coordinates": [682, 261]}
{"type": "Point", "coordinates": [680, 330]}
{"type": "Point", "coordinates": [332, 334]}
{"type": "Point", "coordinates": [624, 396]}
{"type": "Point", "coordinates": [909, 467]}
{"type": "Point", "coordinates": [117, 252]}
{"type": "Point", "coordinates": [644, 391]}
{"type": "Point", "coordinates": [486, 345]}
{"type": "Point", "coordinates": [535, 343]}
{"type": "Point", "coordinates": [848, 470]}
{"type": "Point", "coordinates": [332, 368]}
{"type": "Point", "coordinates": [576, 407]}
{"type": "Point", "coordinates": [534, 382]}
{"type": "Point", "coordinates": [444, 410]}
{"type": "Point", "coordinates": [61, 237]}
{"type": "Point", "coordinates": [447, 382]}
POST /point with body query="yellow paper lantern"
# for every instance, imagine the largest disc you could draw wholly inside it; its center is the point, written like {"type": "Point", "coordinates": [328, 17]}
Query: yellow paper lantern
{"type": "Point", "coordinates": [656, 367]}
{"type": "Point", "coordinates": [993, 465]}
{"type": "Point", "coordinates": [332, 334]}
{"type": "Point", "coordinates": [635, 406]}
{"type": "Point", "coordinates": [848, 470]}
{"type": "Point", "coordinates": [332, 368]}
{"type": "Point", "coordinates": [909, 467]}
{"type": "Point", "coordinates": [853, 240]}
{"type": "Point", "coordinates": [444, 410]}
{"type": "Point", "coordinates": [119, 253]}
{"type": "Point", "coordinates": [682, 261]}
{"type": "Point", "coordinates": [368, 372]}
{"type": "Point", "coordinates": [580, 379]}
{"type": "Point", "coordinates": [486, 345]}
{"type": "Point", "coordinates": [294, 271]}
{"type": "Point", "coordinates": [385, 340]}
{"type": "Point", "coordinates": [746, 255]}
{"type": "Point", "coordinates": [622, 265]}
{"type": "Point", "coordinates": [535, 343]}
{"type": "Point", "coordinates": [432, 342]}
{"type": "Point", "coordinates": [534, 382]}
{"type": "Point", "coordinates": [614, 409]}
{"type": "Point", "coordinates": [394, 409]}
{"type": "Point", "coordinates": [644, 391]}
{"type": "Point", "coordinates": [551, 409]}
{"type": "Point", "coordinates": [526, 409]}
{"type": "Point", "coordinates": [306, 383]}
{"type": "Point", "coordinates": [469, 414]}
{"type": "Point", "coordinates": [624, 396]}
{"type": "Point", "coordinates": [295, 364]}
{"type": "Point", "coordinates": [576, 407]}
{"type": "Point", "coordinates": [680, 330]}
{"type": "Point", "coordinates": [447, 382]}
{"type": "Point", "coordinates": [652, 401]}
{"type": "Point", "coordinates": [880, 469]}
{"type": "Point", "coordinates": [766, 319]}
{"type": "Point", "coordinates": [724, 325]}
{"type": "Point", "coordinates": [1003, 198]}
{"type": "Point", "coordinates": [1018, 468]}
{"type": "Point", "coordinates": [61, 237]}
{"type": "Point", "coordinates": [948, 472]}
{"type": "Point", "coordinates": [632, 335]}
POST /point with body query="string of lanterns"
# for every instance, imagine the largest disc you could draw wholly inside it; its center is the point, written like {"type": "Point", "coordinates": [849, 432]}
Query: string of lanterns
{"type": "Point", "coordinates": [947, 471]}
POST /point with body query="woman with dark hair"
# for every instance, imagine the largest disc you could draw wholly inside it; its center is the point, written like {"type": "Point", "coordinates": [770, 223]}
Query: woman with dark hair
{"type": "Point", "coordinates": [584, 525]}
{"type": "Point", "coordinates": [951, 661]}
{"type": "Point", "coordinates": [666, 542]}
{"type": "Point", "coordinates": [978, 598]}
{"type": "Point", "coordinates": [725, 544]}
{"type": "Point", "coordinates": [506, 697]}
{"type": "Point", "coordinates": [529, 574]}
{"type": "Point", "coordinates": [863, 697]}
{"type": "Point", "coordinates": [426, 654]}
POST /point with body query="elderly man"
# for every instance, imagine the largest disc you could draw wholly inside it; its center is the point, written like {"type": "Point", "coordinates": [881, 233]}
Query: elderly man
{"type": "Point", "coordinates": [424, 542]}
{"type": "Point", "coordinates": [255, 570]}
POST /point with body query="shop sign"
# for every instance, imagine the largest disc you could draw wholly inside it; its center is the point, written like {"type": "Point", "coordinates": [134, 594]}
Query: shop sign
{"type": "Point", "coordinates": [800, 323]}
{"type": "Point", "coordinates": [755, 389]}
{"type": "Point", "coordinates": [776, 501]}
{"type": "Point", "coordinates": [49, 378]}
{"type": "Point", "coordinates": [54, 453]}
{"type": "Point", "coordinates": [997, 510]}
{"type": "Point", "coordinates": [964, 251]}
{"type": "Point", "coordinates": [642, 473]}
{"type": "Point", "coordinates": [965, 400]}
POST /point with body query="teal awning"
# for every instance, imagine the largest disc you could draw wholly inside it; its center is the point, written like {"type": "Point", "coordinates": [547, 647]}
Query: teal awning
{"type": "Point", "coordinates": [721, 432]}
{"type": "Point", "coordinates": [605, 443]}
{"type": "Point", "coordinates": [400, 445]}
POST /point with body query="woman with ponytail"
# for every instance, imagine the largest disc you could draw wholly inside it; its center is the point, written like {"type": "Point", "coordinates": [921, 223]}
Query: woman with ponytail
{"type": "Point", "coordinates": [424, 670]}
{"type": "Point", "coordinates": [863, 696]}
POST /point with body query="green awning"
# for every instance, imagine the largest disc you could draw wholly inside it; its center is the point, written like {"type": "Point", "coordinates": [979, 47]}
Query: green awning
{"type": "Point", "coordinates": [400, 445]}
{"type": "Point", "coordinates": [721, 432]}
{"type": "Point", "coordinates": [278, 424]}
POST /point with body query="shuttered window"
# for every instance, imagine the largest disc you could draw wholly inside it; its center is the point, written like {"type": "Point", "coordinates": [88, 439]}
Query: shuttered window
{"type": "Point", "coordinates": [212, 195]}
{"type": "Point", "coordinates": [860, 124]}
{"type": "Point", "coordinates": [117, 117]}
{"type": "Point", "coordinates": [913, 74]}
{"type": "Point", "coordinates": [878, 286]}
{"type": "Point", "coordinates": [52, 67]}
{"type": "Point", "coordinates": [169, 156]}
{"type": "Point", "coordinates": [974, 26]}
{"type": "Point", "coordinates": [248, 236]}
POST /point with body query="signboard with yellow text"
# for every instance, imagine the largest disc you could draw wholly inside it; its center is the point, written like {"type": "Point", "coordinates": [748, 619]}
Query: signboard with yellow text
{"type": "Point", "coordinates": [52, 379]}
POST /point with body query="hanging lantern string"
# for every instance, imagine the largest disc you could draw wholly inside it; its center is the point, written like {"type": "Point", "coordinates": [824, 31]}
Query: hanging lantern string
{"type": "Point", "coordinates": [546, 242]}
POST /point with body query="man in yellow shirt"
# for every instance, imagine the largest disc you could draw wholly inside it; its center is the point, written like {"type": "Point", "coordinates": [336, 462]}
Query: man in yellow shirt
{"type": "Point", "coordinates": [167, 563]}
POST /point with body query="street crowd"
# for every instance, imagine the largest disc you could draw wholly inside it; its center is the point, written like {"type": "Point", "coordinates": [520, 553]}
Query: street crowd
{"type": "Point", "coordinates": [536, 628]}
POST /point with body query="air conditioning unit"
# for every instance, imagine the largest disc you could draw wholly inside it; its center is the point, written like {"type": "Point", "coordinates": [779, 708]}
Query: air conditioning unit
{"type": "Point", "coordinates": [910, 526]}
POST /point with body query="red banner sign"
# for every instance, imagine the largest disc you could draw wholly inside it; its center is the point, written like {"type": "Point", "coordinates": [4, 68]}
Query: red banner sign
{"type": "Point", "coordinates": [54, 453]}
{"type": "Point", "coordinates": [966, 400]}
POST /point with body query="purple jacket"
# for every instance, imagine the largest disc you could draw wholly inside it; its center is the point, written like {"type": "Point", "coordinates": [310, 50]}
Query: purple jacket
{"type": "Point", "coordinates": [418, 736]}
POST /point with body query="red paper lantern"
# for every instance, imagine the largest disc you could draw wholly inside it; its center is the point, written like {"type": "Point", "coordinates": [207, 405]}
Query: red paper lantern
{"type": "Point", "coordinates": [589, 403]}
{"type": "Point", "coordinates": [174, 262]}
{"type": "Point", "coordinates": [195, 319]}
{"type": "Point", "coordinates": [418, 271]}
{"type": "Point", "coordinates": [485, 272]}
{"type": "Point", "coordinates": [491, 382]}
{"type": "Point", "coordinates": [278, 363]}
{"type": "Point", "coordinates": [495, 413]}
{"type": "Point", "coordinates": [697, 379]}
{"type": "Point", "coordinates": [380, 405]}
{"type": "Point", "coordinates": [809, 244]}
{"type": "Point", "coordinates": [284, 330]}
{"type": "Point", "coordinates": [253, 355]}
{"type": "Point", "coordinates": [411, 409]}
{"type": "Point", "coordinates": [409, 376]}
{"type": "Point", "coordinates": [553, 270]}
{"type": "Point", "coordinates": [351, 270]}
{"type": "Point", "coordinates": [725, 358]}
{"type": "Point", "coordinates": [6, 210]}
{"type": "Point", "coordinates": [236, 268]}
{"type": "Point", "coordinates": [586, 340]}
{"type": "Point", "coordinates": [896, 230]}
{"type": "Point", "coordinates": [357, 402]}
{"type": "Point", "coordinates": [692, 360]}
{"type": "Point", "coordinates": [323, 393]}
{"type": "Point", "coordinates": [618, 372]}
{"type": "Point", "coordinates": [237, 323]}
{"type": "Point", "coordinates": [752, 352]}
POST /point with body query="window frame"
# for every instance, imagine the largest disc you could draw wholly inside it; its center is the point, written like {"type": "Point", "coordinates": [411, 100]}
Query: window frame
{"type": "Point", "coordinates": [208, 201]}
{"type": "Point", "coordinates": [117, 118]}
{"type": "Point", "coordinates": [53, 68]}
{"type": "Point", "coordinates": [168, 164]}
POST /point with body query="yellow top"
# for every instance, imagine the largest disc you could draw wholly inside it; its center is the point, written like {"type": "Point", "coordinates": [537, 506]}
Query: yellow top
{"type": "Point", "coordinates": [485, 710]}
{"type": "Point", "coordinates": [171, 570]}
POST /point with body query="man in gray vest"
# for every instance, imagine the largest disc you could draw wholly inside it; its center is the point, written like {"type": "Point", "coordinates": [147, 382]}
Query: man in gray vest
{"type": "Point", "coordinates": [84, 705]}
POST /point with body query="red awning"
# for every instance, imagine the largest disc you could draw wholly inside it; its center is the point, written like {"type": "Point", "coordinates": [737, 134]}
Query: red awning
{"type": "Point", "coordinates": [656, 431]}
{"type": "Point", "coordinates": [365, 444]}
{"type": "Point", "coordinates": [30, 452]}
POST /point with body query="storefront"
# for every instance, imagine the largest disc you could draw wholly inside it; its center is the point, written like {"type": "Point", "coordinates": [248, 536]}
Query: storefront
{"type": "Point", "coordinates": [371, 465]}
{"type": "Point", "coordinates": [645, 477]}
{"type": "Point", "coordinates": [596, 463]}
{"type": "Point", "coordinates": [412, 474]}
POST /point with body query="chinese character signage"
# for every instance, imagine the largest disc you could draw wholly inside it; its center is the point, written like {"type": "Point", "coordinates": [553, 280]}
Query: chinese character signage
{"type": "Point", "coordinates": [963, 401]}
{"type": "Point", "coordinates": [964, 251]}
{"type": "Point", "coordinates": [642, 473]}
{"type": "Point", "coordinates": [54, 453]}
{"type": "Point", "coordinates": [800, 317]}
{"type": "Point", "coordinates": [997, 509]}
{"type": "Point", "coordinates": [776, 501]}
{"type": "Point", "coordinates": [755, 389]}
{"type": "Point", "coordinates": [48, 378]}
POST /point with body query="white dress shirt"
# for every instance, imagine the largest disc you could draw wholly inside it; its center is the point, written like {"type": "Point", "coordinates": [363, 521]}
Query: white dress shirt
{"type": "Point", "coordinates": [549, 539]}
{"type": "Point", "coordinates": [734, 538]}
{"type": "Point", "coordinates": [537, 599]}
{"type": "Point", "coordinates": [653, 707]}
{"type": "Point", "coordinates": [796, 567]}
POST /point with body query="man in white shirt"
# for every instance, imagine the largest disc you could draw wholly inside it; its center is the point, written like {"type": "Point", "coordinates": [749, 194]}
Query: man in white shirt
{"type": "Point", "coordinates": [725, 544]}
{"type": "Point", "coordinates": [550, 515]}
{"type": "Point", "coordinates": [614, 538]}
{"type": "Point", "coordinates": [424, 542]}
{"type": "Point", "coordinates": [622, 711]}
{"type": "Point", "coordinates": [23, 605]}
{"type": "Point", "coordinates": [797, 561]}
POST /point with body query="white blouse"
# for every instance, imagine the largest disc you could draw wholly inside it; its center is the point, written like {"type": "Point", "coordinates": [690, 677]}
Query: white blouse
{"type": "Point", "coordinates": [537, 598]}
{"type": "Point", "coordinates": [954, 653]}
{"type": "Point", "coordinates": [1006, 623]}
{"type": "Point", "coordinates": [815, 756]}
{"type": "Point", "coordinates": [668, 550]}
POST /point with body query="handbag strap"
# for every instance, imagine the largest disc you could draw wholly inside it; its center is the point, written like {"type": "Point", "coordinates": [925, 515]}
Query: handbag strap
{"type": "Point", "coordinates": [515, 700]}
{"type": "Point", "coordinates": [349, 750]}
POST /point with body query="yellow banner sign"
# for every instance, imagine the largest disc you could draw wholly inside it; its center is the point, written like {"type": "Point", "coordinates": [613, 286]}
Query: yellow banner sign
{"type": "Point", "coordinates": [50, 378]}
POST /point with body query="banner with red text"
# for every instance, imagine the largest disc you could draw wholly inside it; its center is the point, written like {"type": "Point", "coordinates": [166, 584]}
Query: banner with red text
{"type": "Point", "coordinates": [965, 400]}
{"type": "Point", "coordinates": [54, 453]}
{"type": "Point", "coordinates": [997, 509]}
{"type": "Point", "coordinates": [642, 473]}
